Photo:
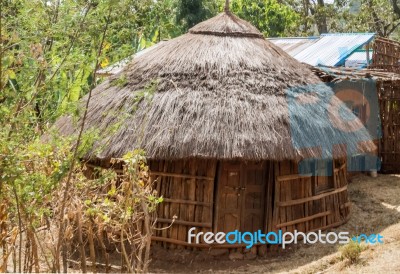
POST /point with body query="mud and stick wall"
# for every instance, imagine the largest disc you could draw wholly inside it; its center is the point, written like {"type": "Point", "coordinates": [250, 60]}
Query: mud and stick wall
{"type": "Point", "coordinates": [196, 194]}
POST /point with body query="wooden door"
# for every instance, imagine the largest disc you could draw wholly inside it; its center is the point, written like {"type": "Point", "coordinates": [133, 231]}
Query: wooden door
{"type": "Point", "coordinates": [230, 200]}
{"type": "Point", "coordinates": [241, 197]}
{"type": "Point", "coordinates": [253, 197]}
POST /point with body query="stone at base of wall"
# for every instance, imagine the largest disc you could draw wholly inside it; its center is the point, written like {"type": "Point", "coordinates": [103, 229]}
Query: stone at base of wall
{"type": "Point", "coordinates": [219, 252]}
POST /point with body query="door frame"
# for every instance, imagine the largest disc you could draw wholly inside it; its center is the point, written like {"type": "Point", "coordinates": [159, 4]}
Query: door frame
{"type": "Point", "coordinates": [266, 191]}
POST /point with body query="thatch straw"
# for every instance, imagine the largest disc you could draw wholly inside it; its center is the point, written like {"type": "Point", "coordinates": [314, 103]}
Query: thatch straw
{"type": "Point", "coordinates": [221, 93]}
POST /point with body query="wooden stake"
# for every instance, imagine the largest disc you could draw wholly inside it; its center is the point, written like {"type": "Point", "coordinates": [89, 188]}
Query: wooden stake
{"type": "Point", "coordinates": [92, 251]}
{"type": "Point", "coordinates": [227, 6]}
{"type": "Point", "coordinates": [81, 244]}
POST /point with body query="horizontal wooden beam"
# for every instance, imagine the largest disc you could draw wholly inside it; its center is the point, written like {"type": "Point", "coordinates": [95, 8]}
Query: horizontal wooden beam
{"type": "Point", "coordinates": [183, 243]}
{"type": "Point", "coordinates": [292, 177]}
{"type": "Point", "coordinates": [312, 198]}
{"type": "Point", "coordinates": [188, 202]}
{"type": "Point", "coordinates": [178, 242]}
{"type": "Point", "coordinates": [163, 174]}
{"type": "Point", "coordinates": [305, 219]}
{"type": "Point", "coordinates": [178, 175]}
{"type": "Point", "coordinates": [180, 222]}
{"type": "Point", "coordinates": [322, 228]}
{"type": "Point", "coordinates": [382, 40]}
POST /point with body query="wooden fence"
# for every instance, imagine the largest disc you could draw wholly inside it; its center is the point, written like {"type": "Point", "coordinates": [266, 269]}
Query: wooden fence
{"type": "Point", "coordinates": [386, 55]}
{"type": "Point", "coordinates": [389, 144]}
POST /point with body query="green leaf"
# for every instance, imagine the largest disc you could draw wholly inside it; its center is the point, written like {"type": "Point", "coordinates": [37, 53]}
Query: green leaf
{"type": "Point", "coordinates": [155, 36]}
{"type": "Point", "coordinates": [74, 93]}
{"type": "Point", "coordinates": [11, 74]}
{"type": "Point", "coordinates": [142, 43]}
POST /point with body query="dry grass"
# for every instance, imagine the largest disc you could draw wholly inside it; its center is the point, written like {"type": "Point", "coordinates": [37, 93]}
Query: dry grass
{"type": "Point", "coordinates": [220, 91]}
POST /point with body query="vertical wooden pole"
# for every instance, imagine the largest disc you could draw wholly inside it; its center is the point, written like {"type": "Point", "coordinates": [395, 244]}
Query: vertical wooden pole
{"type": "Point", "coordinates": [215, 208]}
{"type": "Point", "coordinates": [226, 5]}
{"type": "Point", "coordinates": [277, 197]}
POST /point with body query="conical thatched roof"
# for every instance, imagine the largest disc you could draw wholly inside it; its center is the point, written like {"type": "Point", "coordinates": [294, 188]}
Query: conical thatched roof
{"type": "Point", "coordinates": [219, 91]}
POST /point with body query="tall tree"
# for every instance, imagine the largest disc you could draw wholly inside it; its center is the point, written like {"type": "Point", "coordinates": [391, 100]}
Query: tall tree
{"type": "Point", "coordinates": [192, 12]}
{"type": "Point", "coordinates": [385, 16]}
{"type": "Point", "coordinates": [379, 16]}
{"type": "Point", "coordinates": [271, 17]}
{"type": "Point", "coordinates": [319, 12]}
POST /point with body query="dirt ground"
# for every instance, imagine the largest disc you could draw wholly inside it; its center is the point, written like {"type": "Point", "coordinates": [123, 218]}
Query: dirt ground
{"type": "Point", "coordinates": [375, 208]}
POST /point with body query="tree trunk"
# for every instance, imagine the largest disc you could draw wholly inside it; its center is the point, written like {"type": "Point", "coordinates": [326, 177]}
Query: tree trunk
{"type": "Point", "coordinates": [321, 18]}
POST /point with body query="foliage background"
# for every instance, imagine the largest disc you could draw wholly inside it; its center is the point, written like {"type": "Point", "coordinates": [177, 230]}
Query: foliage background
{"type": "Point", "coordinates": [49, 51]}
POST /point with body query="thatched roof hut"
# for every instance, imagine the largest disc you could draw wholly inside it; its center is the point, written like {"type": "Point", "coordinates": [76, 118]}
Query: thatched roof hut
{"type": "Point", "coordinates": [213, 105]}
{"type": "Point", "coordinates": [220, 92]}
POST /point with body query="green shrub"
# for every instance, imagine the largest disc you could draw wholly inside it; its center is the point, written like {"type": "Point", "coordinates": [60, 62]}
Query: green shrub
{"type": "Point", "coordinates": [351, 251]}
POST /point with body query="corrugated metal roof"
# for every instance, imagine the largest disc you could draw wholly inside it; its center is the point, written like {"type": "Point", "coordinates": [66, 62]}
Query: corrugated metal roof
{"type": "Point", "coordinates": [358, 59]}
{"type": "Point", "coordinates": [294, 45]}
{"type": "Point", "coordinates": [333, 49]}
{"type": "Point", "coordinates": [328, 50]}
{"type": "Point", "coordinates": [359, 55]}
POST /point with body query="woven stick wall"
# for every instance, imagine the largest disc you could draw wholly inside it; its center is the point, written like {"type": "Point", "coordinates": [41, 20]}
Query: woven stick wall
{"type": "Point", "coordinates": [386, 55]}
